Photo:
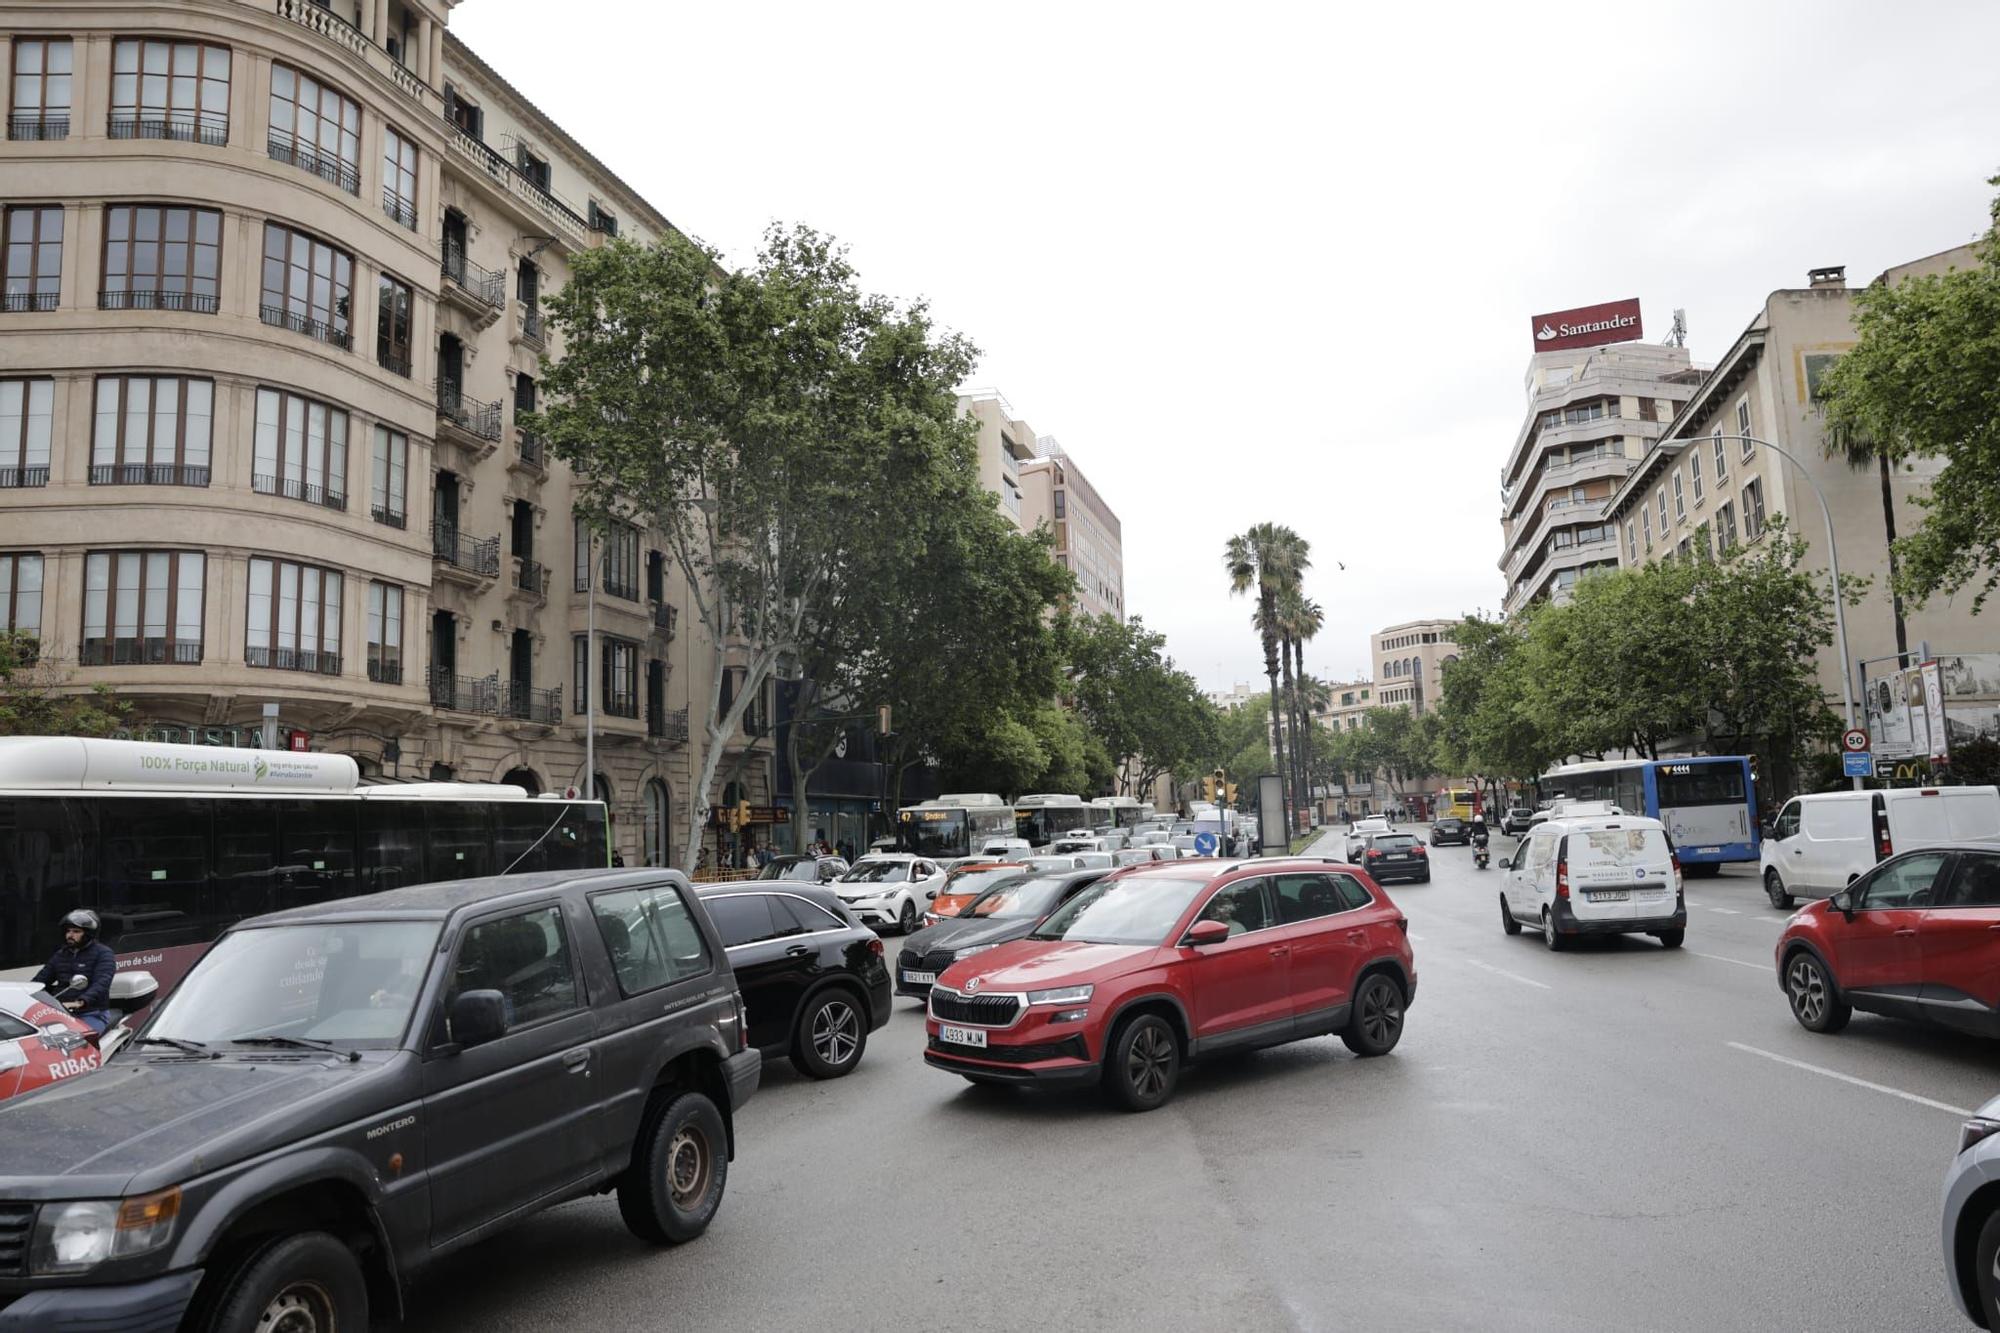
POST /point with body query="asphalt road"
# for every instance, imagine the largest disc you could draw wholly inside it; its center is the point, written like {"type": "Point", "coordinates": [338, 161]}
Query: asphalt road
{"type": "Point", "coordinates": [1605, 1138]}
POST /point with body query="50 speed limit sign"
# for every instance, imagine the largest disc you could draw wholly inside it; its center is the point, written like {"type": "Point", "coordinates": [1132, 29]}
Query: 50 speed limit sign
{"type": "Point", "coordinates": [1854, 740]}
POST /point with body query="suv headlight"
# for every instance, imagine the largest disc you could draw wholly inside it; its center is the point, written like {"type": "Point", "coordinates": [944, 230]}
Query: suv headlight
{"type": "Point", "coordinates": [1061, 995]}
{"type": "Point", "coordinates": [76, 1237]}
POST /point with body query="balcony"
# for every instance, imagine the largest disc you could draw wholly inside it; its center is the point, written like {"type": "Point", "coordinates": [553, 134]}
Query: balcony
{"type": "Point", "coordinates": [464, 694]}
{"type": "Point", "coordinates": [182, 126]}
{"type": "Point", "coordinates": [530, 582]}
{"type": "Point", "coordinates": [148, 474]}
{"type": "Point", "coordinates": [476, 424]}
{"type": "Point", "coordinates": [339, 32]}
{"type": "Point", "coordinates": [479, 292]}
{"type": "Point", "coordinates": [510, 180]}
{"type": "Point", "coordinates": [292, 488]}
{"type": "Point", "coordinates": [465, 559]}
{"type": "Point", "coordinates": [318, 330]}
{"type": "Point", "coordinates": [140, 652]}
{"type": "Point", "coordinates": [16, 303]}
{"type": "Point", "coordinates": [199, 303]}
{"type": "Point", "coordinates": [666, 619]}
{"type": "Point", "coordinates": [522, 702]}
{"type": "Point", "coordinates": [668, 724]}
{"type": "Point", "coordinates": [529, 455]}
{"type": "Point", "coordinates": [389, 518]}
{"type": "Point", "coordinates": [621, 703]}
{"type": "Point", "coordinates": [385, 670]}
{"type": "Point", "coordinates": [332, 170]}
{"type": "Point", "coordinates": [394, 361]}
{"type": "Point", "coordinates": [616, 586]}
{"type": "Point", "coordinates": [293, 659]}
{"type": "Point", "coordinates": [398, 209]}
{"type": "Point", "coordinates": [22, 478]}
{"type": "Point", "coordinates": [38, 125]}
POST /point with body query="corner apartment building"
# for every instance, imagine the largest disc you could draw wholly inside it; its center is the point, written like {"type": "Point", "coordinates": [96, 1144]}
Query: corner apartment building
{"type": "Point", "coordinates": [1005, 443]}
{"type": "Point", "coordinates": [1593, 412]}
{"type": "Point", "coordinates": [1089, 539]}
{"type": "Point", "coordinates": [272, 314]}
{"type": "Point", "coordinates": [1703, 489]}
{"type": "Point", "coordinates": [1409, 662]}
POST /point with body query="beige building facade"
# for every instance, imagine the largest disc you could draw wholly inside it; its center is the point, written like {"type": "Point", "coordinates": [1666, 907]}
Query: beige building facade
{"type": "Point", "coordinates": [1409, 662]}
{"type": "Point", "coordinates": [1089, 538]}
{"type": "Point", "coordinates": [1705, 489]}
{"type": "Point", "coordinates": [272, 314]}
{"type": "Point", "coordinates": [1005, 443]}
{"type": "Point", "coordinates": [1593, 412]}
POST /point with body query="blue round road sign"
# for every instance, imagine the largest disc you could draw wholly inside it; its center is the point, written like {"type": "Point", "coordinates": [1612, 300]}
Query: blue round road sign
{"type": "Point", "coordinates": [1204, 844]}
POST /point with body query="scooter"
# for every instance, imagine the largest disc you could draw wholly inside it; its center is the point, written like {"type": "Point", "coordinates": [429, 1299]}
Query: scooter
{"type": "Point", "coordinates": [130, 992]}
{"type": "Point", "coordinates": [1481, 857]}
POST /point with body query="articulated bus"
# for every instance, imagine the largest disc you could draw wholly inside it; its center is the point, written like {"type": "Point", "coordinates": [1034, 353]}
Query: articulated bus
{"type": "Point", "coordinates": [172, 844]}
{"type": "Point", "coordinates": [1042, 817]}
{"type": "Point", "coordinates": [1707, 802]}
{"type": "Point", "coordinates": [949, 826]}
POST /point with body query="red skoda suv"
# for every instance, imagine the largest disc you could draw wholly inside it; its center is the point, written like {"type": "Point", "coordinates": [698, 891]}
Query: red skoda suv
{"type": "Point", "coordinates": [1161, 964]}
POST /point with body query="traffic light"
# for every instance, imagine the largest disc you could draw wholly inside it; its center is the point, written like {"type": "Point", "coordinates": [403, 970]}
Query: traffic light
{"type": "Point", "coordinates": [1208, 788]}
{"type": "Point", "coordinates": [1232, 795]}
{"type": "Point", "coordinates": [743, 814]}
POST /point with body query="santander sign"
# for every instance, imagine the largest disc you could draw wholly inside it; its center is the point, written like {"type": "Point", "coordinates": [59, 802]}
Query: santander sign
{"type": "Point", "coordinates": [1588, 326]}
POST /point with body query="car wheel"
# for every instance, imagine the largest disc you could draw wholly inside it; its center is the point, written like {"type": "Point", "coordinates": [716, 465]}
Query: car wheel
{"type": "Point", "coordinates": [831, 1034]}
{"type": "Point", "coordinates": [1671, 939]}
{"type": "Point", "coordinates": [906, 921]}
{"type": "Point", "coordinates": [1986, 1260]}
{"type": "Point", "coordinates": [1815, 1003]}
{"type": "Point", "coordinates": [1507, 921]}
{"type": "Point", "coordinates": [1376, 1023]}
{"type": "Point", "coordinates": [1774, 889]}
{"type": "Point", "coordinates": [1550, 936]}
{"type": "Point", "coordinates": [674, 1185]}
{"type": "Point", "coordinates": [1143, 1065]}
{"type": "Point", "coordinates": [309, 1282]}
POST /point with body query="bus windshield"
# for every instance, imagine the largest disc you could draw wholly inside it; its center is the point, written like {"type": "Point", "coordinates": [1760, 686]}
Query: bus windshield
{"type": "Point", "coordinates": [935, 833]}
{"type": "Point", "coordinates": [1699, 784]}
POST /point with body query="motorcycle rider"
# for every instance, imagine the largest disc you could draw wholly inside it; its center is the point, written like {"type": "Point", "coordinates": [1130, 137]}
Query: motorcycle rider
{"type": "Point", "coordinates": [82, 954]}
{"type": "Point", "coordinates": [1479, 839]}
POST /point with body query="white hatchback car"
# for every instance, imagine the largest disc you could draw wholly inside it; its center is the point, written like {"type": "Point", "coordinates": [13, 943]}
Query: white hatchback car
{"type": "Point", "coordinates": [1361, 830]}
{"type": "Point", "coordinates": [1594, 875]}
{"type": "Point", "coordinates": [890, 888]}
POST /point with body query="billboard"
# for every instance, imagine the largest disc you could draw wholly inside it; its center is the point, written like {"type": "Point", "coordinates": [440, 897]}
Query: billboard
{"type": "Point", "coordinates": [1921, 711]}
{"type": "Point", "coordinates": [1588, 326]}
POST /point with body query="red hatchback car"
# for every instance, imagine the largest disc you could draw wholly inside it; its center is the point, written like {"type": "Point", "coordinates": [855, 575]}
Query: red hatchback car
{"type": "Point", "coordinates": [1160, 964]}
{"type": "Point", "coordinates": [1916, 937]}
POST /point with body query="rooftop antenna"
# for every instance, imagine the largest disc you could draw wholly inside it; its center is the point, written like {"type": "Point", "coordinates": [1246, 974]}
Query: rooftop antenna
{"type": "Point", "coordinates": [1679, 336]}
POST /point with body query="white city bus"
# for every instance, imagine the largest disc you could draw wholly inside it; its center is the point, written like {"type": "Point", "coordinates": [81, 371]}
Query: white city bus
{"type": "Point", "coordinates": [170, 844]}
{"type": "Point", "coordinates": [956, 825]}
{"type": "Point", "coordinates": [1042, 817]}
{"type": "Point", "coordinates": [1119, 811]}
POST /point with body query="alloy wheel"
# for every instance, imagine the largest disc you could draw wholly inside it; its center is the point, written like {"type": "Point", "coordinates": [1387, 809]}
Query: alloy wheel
{"type": "Point", "coordinates": [688, 1167]}
{"type": "Point", "coordinates": [1381, 1012]}
{"type": "Point", "coordinates": [302, 1307]}
{"type": "Point", "coordinates": [1808, 989]}
{"type": "Point", "coordinates": [836, 1032]}
{"type": "Point", "coordinates": [1146, 1064]}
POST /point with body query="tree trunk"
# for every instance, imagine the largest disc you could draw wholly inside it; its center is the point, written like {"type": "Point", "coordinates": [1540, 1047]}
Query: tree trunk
{"type": "Point", "coordinates": [1889, 528]}
{"type": "Point", "coordinates": [1271, 671]}
{"type": "Point", "coordinates": [1291, 702]}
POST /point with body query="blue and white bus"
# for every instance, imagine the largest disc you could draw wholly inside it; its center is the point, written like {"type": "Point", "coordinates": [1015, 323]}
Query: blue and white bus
{"type": "Point", "coordinates": [1707, 802]}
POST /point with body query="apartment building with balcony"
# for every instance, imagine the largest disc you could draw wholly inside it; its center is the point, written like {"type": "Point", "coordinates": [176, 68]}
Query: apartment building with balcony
{"type": "Point", "coordinates": [1592, 414]}
{"type": "Point", "coordinates": [1005, 443]}
{"type": "Point", "coordinates": [271, 319]}
{"type": "Point", "coordinates": [1703, 490]}
{"type": "Point", "coordinates": [1409, 661]}
{"type": "Point", "coordinates": [1089, 539]}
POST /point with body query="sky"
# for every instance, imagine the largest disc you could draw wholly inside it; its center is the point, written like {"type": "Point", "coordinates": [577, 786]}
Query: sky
{"type": "Point", "coordinates": [1256, 262]}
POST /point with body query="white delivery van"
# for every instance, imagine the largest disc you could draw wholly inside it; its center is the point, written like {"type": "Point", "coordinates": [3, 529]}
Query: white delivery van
{"type": "Point", "coordinates": [1594, 875]}
{"type": "Point", "coordinates": [1820, 844]}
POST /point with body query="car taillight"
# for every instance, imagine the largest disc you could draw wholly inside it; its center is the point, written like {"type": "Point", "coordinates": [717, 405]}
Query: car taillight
{"type": "Point", "coordinates": [1562, 878]}
{"type": "Point", "coordinates": [1675, 857]}
{"type": "Point", "coordinates": [1419, 851]}
{"type": "Point", "coordinates": [875, 945]}
{"type": "Point", "coordinates": [1374, 853]}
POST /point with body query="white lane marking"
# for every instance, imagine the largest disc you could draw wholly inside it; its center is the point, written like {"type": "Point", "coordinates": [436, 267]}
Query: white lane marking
{"type": "Point", "coordinates": [1726, 911]}
{"type": "Point", "coordinates": [1849, 1078]}
{"type": "Point", "coordinates": [1418, 938]}
{"type": "Point", "coordinates": [1503, 972]}
{"type": "Point", "coordinates": [1738, 961]}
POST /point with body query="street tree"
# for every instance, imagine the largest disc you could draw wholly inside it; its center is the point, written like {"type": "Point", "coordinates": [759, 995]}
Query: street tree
{"type": "Point", "coordinates": [1266, 560]}
{"type": "Point", "coordinates": [1150, 716]}
{"type": "Point", "coordinates": [37, 699]}
{"type": "Point", "coordinates": [761, 418]}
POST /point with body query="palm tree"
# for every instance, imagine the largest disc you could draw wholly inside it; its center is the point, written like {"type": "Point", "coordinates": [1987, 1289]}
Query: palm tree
{"type": "Point", "coordinates": [1267, 558]}
{"type": "Point", "coordinates": [1299, 619]}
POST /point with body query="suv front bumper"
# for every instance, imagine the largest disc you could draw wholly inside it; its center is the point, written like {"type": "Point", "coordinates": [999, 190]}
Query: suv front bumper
{"type": "Point", "coordinates": [155, 1306]}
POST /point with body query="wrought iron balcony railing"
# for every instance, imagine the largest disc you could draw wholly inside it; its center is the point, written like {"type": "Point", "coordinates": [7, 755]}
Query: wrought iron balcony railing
{"type": "Point", "coordinates": [468, 414]}
{"type": "Point", "coordinates": [454, 548]}
{"type": "Point", "coordinates": [329, 168]}
{"type": "Point", "coordinates": [148, 474]}
{"type": "Point", "coordinates": [140, 652]}
{"type": "Point", "coordinates": [200, 303]}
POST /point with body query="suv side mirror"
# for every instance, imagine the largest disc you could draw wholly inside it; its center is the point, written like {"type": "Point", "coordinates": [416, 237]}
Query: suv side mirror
{"type": "Point", "coordinates": [1207, 932]}
{"type": "Point", "coordinates": [477, 1017]}
{"type": "Point", "coordinates": [1843, 902]}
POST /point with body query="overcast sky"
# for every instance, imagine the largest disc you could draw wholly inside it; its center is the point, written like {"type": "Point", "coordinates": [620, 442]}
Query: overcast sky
{"type": "Point", "coordinates": [1260, 262]}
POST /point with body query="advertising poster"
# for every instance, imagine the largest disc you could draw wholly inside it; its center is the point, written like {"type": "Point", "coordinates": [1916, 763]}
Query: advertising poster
{"type": "Point", "coordinates": [1935, 731]}
{"type": "Point", "coordinates": [1894, 704]}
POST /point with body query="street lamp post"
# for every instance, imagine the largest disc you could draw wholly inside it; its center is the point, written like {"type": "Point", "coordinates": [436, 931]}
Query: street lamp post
{"type": "Point", "coordinates": [1833, 570]}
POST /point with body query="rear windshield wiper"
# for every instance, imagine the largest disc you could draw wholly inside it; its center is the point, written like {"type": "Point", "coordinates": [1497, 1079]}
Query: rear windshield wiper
{"type": "Point", "coordinates": [304, 1043]}
{"type": "Point", "coordinates": [179, 1044]}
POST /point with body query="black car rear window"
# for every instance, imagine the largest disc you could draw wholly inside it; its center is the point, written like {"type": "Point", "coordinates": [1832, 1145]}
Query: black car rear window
{"type": "Point", "coordinates": [1395, 842]}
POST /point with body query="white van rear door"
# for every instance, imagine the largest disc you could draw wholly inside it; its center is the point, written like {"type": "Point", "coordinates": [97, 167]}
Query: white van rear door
{"type": "Point", "coordinates": [1620, 873]}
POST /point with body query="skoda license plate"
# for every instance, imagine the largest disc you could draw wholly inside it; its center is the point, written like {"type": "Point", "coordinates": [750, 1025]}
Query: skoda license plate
{"type": "Point", "coordinates": [919, 978]}
{"type": "Point", "coordinates": [961, 1036]}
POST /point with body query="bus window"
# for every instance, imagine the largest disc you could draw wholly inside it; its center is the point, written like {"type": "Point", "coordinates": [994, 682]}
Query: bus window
{"type": "Point", "coordinates": [316, 851]}
{"type": "Point", "coordinates": [47, 854]}
{"type": "Point", "coordinates": [246, 862]}
{"type": "Point", "coordinates": [519, 826]}
{"type": "Point", "coordinates": [392, 845]}
{"type": "Point", "coordinates": [461, 839]}
{"type": "Point", "coordinates": [152, 879]}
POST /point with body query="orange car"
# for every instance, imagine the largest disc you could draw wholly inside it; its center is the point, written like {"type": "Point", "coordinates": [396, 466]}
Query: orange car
{"type": "Point", "coordinates": [966, 883]}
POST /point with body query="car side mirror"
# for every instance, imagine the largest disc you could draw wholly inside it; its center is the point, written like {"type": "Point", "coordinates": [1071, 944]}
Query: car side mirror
{"type": "Point", "coordinates": [1207, 932]}
{"type": "Point", "coordinates": [133, 990]}
{"type": "Point", "coordinates": [477, 1017]}
{"type": "Point", "coordinates": [1843, 902]}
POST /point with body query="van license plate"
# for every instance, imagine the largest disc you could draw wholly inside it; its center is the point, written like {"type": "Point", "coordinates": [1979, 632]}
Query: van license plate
{"type": "Point", "coordinates": [961, 1036]}
{"type": "Point", "coordinates": [1609, 895]}
{"type": "Point", "coordinates": [919, 978]}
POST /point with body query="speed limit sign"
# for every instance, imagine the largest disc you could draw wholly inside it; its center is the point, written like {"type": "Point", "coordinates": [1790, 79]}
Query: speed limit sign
{"type": "Point", "coordinates": [1854, 740]}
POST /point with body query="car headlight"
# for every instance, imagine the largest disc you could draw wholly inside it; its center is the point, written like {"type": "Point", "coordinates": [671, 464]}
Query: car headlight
{"type": "Point", "coordinates": [1061, 995]}
{"type": "Point", "coordinates": [1976, 1130]}
{"type": "Point", "coordinates": [76, 1237]}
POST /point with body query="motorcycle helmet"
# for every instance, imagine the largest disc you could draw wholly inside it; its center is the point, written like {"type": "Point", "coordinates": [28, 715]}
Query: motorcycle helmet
{"type": "Point", "coordinates": [83, 920]}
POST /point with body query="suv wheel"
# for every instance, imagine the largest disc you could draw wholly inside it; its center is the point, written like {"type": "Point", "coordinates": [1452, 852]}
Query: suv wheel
{"type": "Point", "coordinates": [1507, 921]}
{"type": "Point", "coordinates": [1376, 1024]}
{"type": "Point", "coordinates": [1774, 889]}
{"type": "Point", "coordinates": [830, 1035]}
{"type": "Point", "coordinates": [1986, 1258]}
{"type": "Point", "coordinates": [907, 920]}
{"type": "Point", "coordinates": [1550, 936]}
{"type": "Point", "coordinates": [308, 1283]}
{"type": "Point", "coordinates": [1143, 1065]}
{"type": "Point", "coordinates": [680, 1165]}
{"type": "Point", "coordinates": [1814, 1001]}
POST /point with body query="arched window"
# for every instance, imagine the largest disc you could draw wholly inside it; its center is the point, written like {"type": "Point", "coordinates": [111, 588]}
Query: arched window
{"type": "Point", "coordinates": [659, 808]}
{"type": "Point", "coordinates": [601, 789]}
{"type": "Point", "coordinates": [525, 779]}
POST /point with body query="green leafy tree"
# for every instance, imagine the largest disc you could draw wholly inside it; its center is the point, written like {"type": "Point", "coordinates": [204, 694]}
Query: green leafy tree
{"type": "Point", "coordinates": [1149, 716]}
{"type": "Point", "coordinates": [36, 698]}
{"type": "Point", "coordinates": [1923, 379]}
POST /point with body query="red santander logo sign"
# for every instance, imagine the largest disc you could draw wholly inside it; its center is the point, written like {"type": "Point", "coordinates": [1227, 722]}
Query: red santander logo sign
{"type": "Point", "coordinates": [1588, 326]}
